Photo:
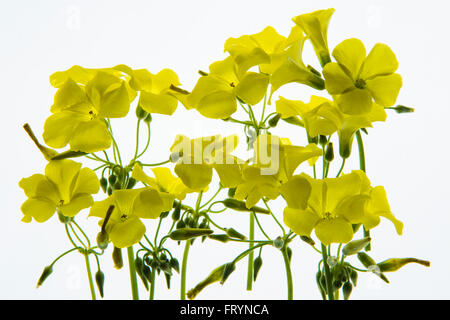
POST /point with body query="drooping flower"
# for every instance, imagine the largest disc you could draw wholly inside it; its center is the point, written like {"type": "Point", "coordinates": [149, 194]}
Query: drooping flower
{"type": "Point", "coordinates": [355, 80]}
{"type": "Point", "coordinates": [315, 26]}
{"type": "Point", "coordinates": [85, 97]}
{"type": "Point", "coordinates": [124, 227]}
{"type": "Point", "coordinates": [199, 156]}
{"type": "Point", "coordinates": [65, 187]}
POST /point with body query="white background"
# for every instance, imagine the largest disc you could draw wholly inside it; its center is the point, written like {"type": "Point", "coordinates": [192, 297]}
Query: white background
{"type": "Point", "coordinates": [408, 154]}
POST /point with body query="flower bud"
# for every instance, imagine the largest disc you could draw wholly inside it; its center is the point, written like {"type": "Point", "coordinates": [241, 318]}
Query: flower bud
{"type": "Point", "coordinates": [323, 140]}
{"type": "Point", "coordinates": [47, 271]}
{"type": "Point", "coordinates": [234, 234]}
{"type": "Point", "coordinates": [403, 109]}
{"type": "Point", "coordinates": [219, 237]}
{"type": "Point", "coordinates": [347, 290]}
{"type": "Point", "coordinates": [102, 239]}
{"type": "Point", "coordinates": [117, 258]}
{"type": "Point", "coordinates": [214, 276]}
{"type": "Point", "coordinates": [393, 264]}
{"type": "Point", "coordinates": [104, 184]}
{"type": "Point", "coordinates": [371, 265]}
{"type": "Point", "coordinates": [355, 246]}
{"type": "Point", "coordinates": [229, 268]}
{"type": "Point", "coordinates": [62, 218]}
{"type": "Point", "coordinates": [165, 267]}
{"type": "Point", "coordinates": [174, 264]}
{"type": "Point", "coordinates": [164, 214]}
{"type": "Point", "coordinates": [176, 212]}
{"type": "Point", "coordinates": [354, 277]}
{"type": "Point", "coordinates": [274, 120]}
{"type": "Point", "coordinates": [100, 280]}
{"type": "Point", "coordinates": [112, 179]}
{"type": "Point", "coordinates": [139, 266]}
{"type": "Point", "coordinates": [257, 264]}
{"type": "Point", "coordinates": [320, 284]}
{"type": "Point", "coordinates": [308, 240]}
{"type": "Point", "coordinates": [289, 253]}
{"type": "Point", "coordinates": [109, 191]}
{"type": "Point", "coordinates": [329, 152]}
{"type": "Point", "coordinates": [238, 205]}
{"type": "Point", "coordinates": [313, 139]}
{"type": "Point", "coordinates": [131, 183]}
{"type": "Point", "coordinates": [188, 233]}
{"type": "Point", "coordinates": [147, 273]}
{"type": "Point", "coordinates": [167, 276]}
{"type": "Point", "coordinates": [180, 224]}
{"type": "Point", "coordinates": [141, 113]}
{"type": "Point", "coordinates": [231, 192]}
{"type": "Point", "coordinates": [295, 121]}
{"type": "Point", "coordinates": [117, 186]}
{"type": "Point", "coordinates": [278, 243]}
{"type": "Point", "coordinates": [148, 118]}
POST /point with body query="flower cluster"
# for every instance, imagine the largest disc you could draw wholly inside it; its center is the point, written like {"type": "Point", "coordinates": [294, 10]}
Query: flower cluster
{"type": "Point", "coordinates": [332, 210]}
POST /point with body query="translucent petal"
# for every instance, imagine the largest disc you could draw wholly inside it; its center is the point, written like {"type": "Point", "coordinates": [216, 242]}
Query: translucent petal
{"type": "Point", "coordinates": [148, 204]}
{"type": "Point", "coordinates": [335, 230]}
{"type": "Point", "coordinates": [77, 203]}
{"type": "Point", "coordinates": [350, 54]}
{"type": "Point", "coordinates": [355, 102]}
{"type": "Point", "coordinates": [87, 182]}
{"type": "Point", "coordinates": [217, 105]}
{"type": "Point", "coordinates": [302, 222]}
{"type": "Point", "coordinates": [252, 88]}
{"type": "Point", "coordinates": [59, 128]}
{"type": "Point", "coordinates": [380, 61]}
{"type": "Point", "coordinates": [63, 174]}
{"type": "Point", "coordinates": [336, 80]}
{"type": "Point", "coordinates": [385, 89]}
{"type": "Point", "coordinates": [296, 192]}
{"type": "Point", "coordinates": [158, 103]}
{"type": "Point", "coordinates": [40, 209]}
{"type": "Point", "coordinates": [90, 136]}
{"type": "Point", "coordinates": [127, 233]}
{"type": "Point", "coordinates": [195, 176]}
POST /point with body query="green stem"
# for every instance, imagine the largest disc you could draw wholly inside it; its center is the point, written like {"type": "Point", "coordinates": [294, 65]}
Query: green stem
{"type": "Point", "coordinates": [154, 164]}
{"type": "Point", "coordinates": [183, 270]}
{"type": "Point", "coordinates": [327, 273]}
{"type": "Point", "coordinates": [137, 139]}
{"type": "Point", "coordinates": [251, 254]}
{"type": "Point", "coordinates": [133, 279]}
{"type": "Point", "coordinates": [148, 141]}
{"type": "Point", "coordinates": [287, 264]}
{"type": "Point", "coordinates": [152, 284]}
{"type": "Point", "coordinates": [91, 282]}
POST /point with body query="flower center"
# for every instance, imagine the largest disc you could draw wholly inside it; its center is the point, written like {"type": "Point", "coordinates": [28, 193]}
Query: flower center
{"type": "Point", "coordinates": [360, 84]}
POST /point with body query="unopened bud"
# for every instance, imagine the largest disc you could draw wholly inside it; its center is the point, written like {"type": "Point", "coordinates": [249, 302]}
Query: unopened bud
{"type": "Point", "coordinates": [229, 268]}
{"type": "Point", "coordinates": [180, 224]}
{"type": "Point", "coordinates": [308, 240]}
{"type": "Point", "coordinates": [274, 120]}
{"type": "Point", "coordinates": [174, 264]}
{"type": "Point", "coordinates": [148, 118]}
{"type": "Point", "coordinates": [257, 264]}
{"type": "Point", "coordinates": [393, 264]}
{"type": "Point", "coordinates": [100, 280]}
{"type": "Point", "coordinates": [329, 152]}
{"type": "Point", "coordinates": [47, 271]}
{"type": "Point", "coordinates": [131, 183]}
{"type": "Point", "coordinates": [214, 276]}
{"type": "Point", "coordinates": [102, 239]}
{"type": "Point", "coordinates": [176, 212]}
{"type": "Point", "coordinates": [323, 140]}
{"type": "Point", "coordinates": [117, 258]}
{"type": "Point", "coordinates": [104, 184]}
{"type": "Point", "coordinates": [189, 233]}
{"type": "Point", "coordinates": [231, 192]}
{"type": "Point", "coordinates": [403, 109]}
{"type": "Point", "coordinates": [238, 205]}
{"type": "Point", "coordinates": [347, 290]}
{"type": "Point", "coordinates": [112, 179]}
{"type": "Point", "coordinates": [141, 113]}
{"type": "Point", "coordinates": [355, 246]}
{"type": "Point", "coordinates": [234, 234]}
{"type": "Point", "coordinates": [219, 237]}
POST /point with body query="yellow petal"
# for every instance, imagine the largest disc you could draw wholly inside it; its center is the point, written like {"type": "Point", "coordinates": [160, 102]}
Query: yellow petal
{"type": "Point", "coordinates": [341, 189]}
{"type": "Point", "coordinates": [69, 94]}
{"type": "Point", "coordinates": [289, 108]}
{"type": "Point", "coordinates": [77, 203]}
{"type": "Point", "coordinates": [296, 192]}
{"type": "Point", "coordinates": [217, 105]}
{"type": "Point", "coordinates": [127, 233]}
{"type": "Point", "coordinates": [76, 73]}
{"type": "Point", "coordinates": [62, 173]}
{"type": "Point", "coordinates": [334, 230]}
{"type": "Point", "coordinates": [171, 184]}
{"type": "Point", "coordinates": [59, 128]}
{"type": "Point", "coordinates": [87, 182]}
{"type": "Point", "coordinates": [302, 222]}
{"type": "Point", "coordinates": [385, 89]}
{"type": "Point", "coordinates": [90, 136]}
{"type": "Point", "coordinates": [350, 54]}
{"type": "Point", "coordinates": [38, 185]}
{"type": "Point", "coordinates": [295, 155]}
{"type": "Point", "coordinates": [158, 103]}
{"type": "Point", "coordinates": [149, 204]}
{"type": "Point", "coordinates": [252, 87]}
{"type": "Point", "coordinates": [352, 208]}
{"type": "Point", "coordinates": [195, 176]}
{"type": "Point", "coordinates": [228, 169]}
{"type": "Point", "coordinates": [336, 80]}
{"type": "Point", "coordinates": [100, 208]}
{"type": "Point", "coordinates": [379, 205]}
{"type": "Point", "coordinates": [380, 61]}
{"type": "Point", "coordinates": [141, 80]}
{"type": "Point", "coordinates": [355, 102]}
{"type": "Point", "coordinates": [139, 174]}
{"type": "Point", "coordinates": [40, 209]}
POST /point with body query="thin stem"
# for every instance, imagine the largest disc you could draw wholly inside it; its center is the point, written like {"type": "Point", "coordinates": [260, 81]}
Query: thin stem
{"type": "Point", "coordinates": [157, 230]}
{"type": "Point", "coordinates": [76, 235]}
{"type": "Point", "coordinates": [260, 227]}
{"type": "Point", "coordinates": [63, 254]}
{"type": "Point", "coordinates": [341, 168]}
{"type": "Point", "coordinates": [152, 284]}
{"type": "Point", "coordinates": [273, 216]}
{"type": "Point", "coordinates": [70, 237]}
{"type": "Point", "coordinates": [137, 138]}
{"type": "Point", "coordinates": [114, 143]}
{"type": "Point", "coordinates": [84, 234]}
{"type": "Point", "coordinates": [327, 273]}
{"type": "Point", "coordinates": [148, 141]}
{"type": "Point", "coordinates": [183, 270]}
{"type": "Point", "coordinates": [251, 254]}
{"type": "Point", "coordinates": [91, 282]}
{"type": "Point", "coordinates": [287, 264]}
{"type": "Point", "coordinates": [209, 201]}
{"type": "Point", "coordinates": [154, 164]}
{"type": "Point", "coordinates": [133, 279]}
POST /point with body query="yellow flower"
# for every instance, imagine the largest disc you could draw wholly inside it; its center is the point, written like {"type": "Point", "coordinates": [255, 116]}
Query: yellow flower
{"type": "Point", "coordinates": [214, 96]}
{"type": "Point", "coordinates": [124, 226]}
{"type": "Point", "coordinates": [332, 206]}
{"type": "Point", "coordinates": [356, 79]}
{"type": "Point", "coordinates": [83, 99]}
{"type": "Point", "coordinates": [155, 94]}
{"type": "Point", "coordinates": [163, 181]}
{"type": "Point", "coordinates": [315, 26]}
{"type": "Point", "coordinates": [320, 116]}
{"type": "Point", "coordinates": [64, 187]}
{"type": "Point", "coordinates": [199, 156]}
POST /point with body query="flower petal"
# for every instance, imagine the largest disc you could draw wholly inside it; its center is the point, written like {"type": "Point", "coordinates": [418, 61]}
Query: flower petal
{"type": "Point", "coordinates": [336, 80]}
{"type": "Point", "coordinates": [90, 136]}
{"type": "Point", "coordinates": [158, 103]}
{"type": "Point", "coordinates": [59, 127]}
{"type": "Point", "coordinates": [217, 105]}
{"type": "Point", "coordinates": [77, 203]}
{"type": "Point", "coordinates": [355, 102]}
{"type": "Point", "coordinates": [385, 89]}
{"type": "Point", "coordinates": [302, 222]}
{"type": "Point", "coordinates": [87, 182]}
{"type": "Point", "coordinates": [380, 61]}
{"type": "Point", "coordinates": [195, 176]}
{"type": "Point", "coordinates": [125, 234]}
{"type": "Point", "coordinates": [379, 205]}
{"type": "Point", "coordinates": [252, 87]}
{"type": "Point", "coordinates": [335, 230]}
{"type": "Point", "coordinates": [296, 192]}
{"type": "Point", "coordinates": [350, 54]}
{"type": "Point", "coordinates": [62, 173]}
{"type": "Point", "coordinates": [40, 209]}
